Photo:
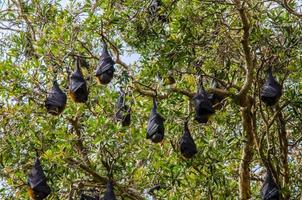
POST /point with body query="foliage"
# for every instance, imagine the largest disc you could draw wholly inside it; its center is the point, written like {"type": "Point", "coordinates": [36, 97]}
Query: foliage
{"type": "Point", "coordinates": [180, 40]}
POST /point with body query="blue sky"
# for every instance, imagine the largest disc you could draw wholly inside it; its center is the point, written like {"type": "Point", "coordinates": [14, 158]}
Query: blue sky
{"type": "Point", "coordinates": [128, 58]}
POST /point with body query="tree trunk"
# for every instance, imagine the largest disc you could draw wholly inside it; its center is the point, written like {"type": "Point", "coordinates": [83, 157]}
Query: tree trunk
{"type": "Point", "coordinates": [247, 155]}
{"type": "Point", "coordinates": [284, 156]}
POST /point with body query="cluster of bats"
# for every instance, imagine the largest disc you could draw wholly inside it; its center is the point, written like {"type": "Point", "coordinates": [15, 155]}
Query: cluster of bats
{"type": "Point", "coordinates": [203, 102]}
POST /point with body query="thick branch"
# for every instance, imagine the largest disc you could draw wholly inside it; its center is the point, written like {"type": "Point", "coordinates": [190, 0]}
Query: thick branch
{"type": "Point", "coordinates": [247, 51]}
{"type": "Point", "coordinates": [190, 94]}
{"type": "Point", "coordinates": [284, 149]}
{"type": "Point", "coordinates": [247, 155]}
{"type": "Point", "coordinates": [152, 92]}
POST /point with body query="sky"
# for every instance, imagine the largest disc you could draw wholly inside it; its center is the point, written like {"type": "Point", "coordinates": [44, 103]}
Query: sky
{"type": "Point", "coordinates": [127, 58]}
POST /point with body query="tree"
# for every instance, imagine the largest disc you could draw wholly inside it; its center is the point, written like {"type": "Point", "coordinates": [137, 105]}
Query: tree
{"type": "Point", "coordinates": [178, 43]}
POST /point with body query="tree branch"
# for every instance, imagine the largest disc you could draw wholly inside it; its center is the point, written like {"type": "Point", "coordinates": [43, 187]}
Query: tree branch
{"type": "Point", "coordinates": [246, 48]}
{"type": "Point", "coordinates": [247, 155]}
{"type": "Point", "coordinates": [79, 143]}
{"type": "Point", "coordinates": [244, 101]}
{"type": "Point", "coordinates": [124, 190]}
{"type": "Point", "coordinates": [290, 10]}
{"type": "Point", "coordinates": [284, 149]}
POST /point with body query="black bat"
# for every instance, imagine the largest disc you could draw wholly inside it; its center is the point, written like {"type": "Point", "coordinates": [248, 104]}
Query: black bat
{"type": "Point", "coordinates": [86, 197]}
{"type": "Point", "coordinates": [38, 188]}
{"type": "Point", "coordinates": [215, 98]}
{"type": "Point", "coordinates": [123, 113]}
{"type": "Point", "coordinates": [203, 106]}
{"type": "Point", "coordinates": [155, 129]}
{"type": "Point", "coordinates": [56, 100]}
{"type": "Point", "coordinates": [187, 144]}
{"type": "Point", "coordinates": [105, 69]}
{"type": "Point", "coordinates": [109, 194]}
{"type": "Point", "coordinates": [77, 85]}
{"type": "Point", "coordinates": [271, 90]}
{"type": "Point", "coordinates": [269, 190]}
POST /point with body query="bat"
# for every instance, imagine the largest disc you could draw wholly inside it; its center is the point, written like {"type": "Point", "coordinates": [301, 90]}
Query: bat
{"type": "Point", "coordinates": [56, 100]}
{"type": "Point", "coordinates": [123, 113]}
{"type": "Point", "coordinates": [269, 190]}
{"type": "Point", "coordinates": [77, 85]}
{"type": "Point", "coordinates": [109, 194]}
{"type": "Point", "coordinates": [271, 90]}
{"type": "Point", "coordinates": [105, 69]}
{"type": "Point", "coordinates": [155, 128]}
{"type": "Point", "coordinates": [203, 107]}
{"type": "Point", "coordinates": [38, 188]}
{"type": "Point", "coordinates": [187, 144]}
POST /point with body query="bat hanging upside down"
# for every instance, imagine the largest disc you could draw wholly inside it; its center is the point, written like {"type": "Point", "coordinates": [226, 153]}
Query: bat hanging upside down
{"type": "Point", "coordinates": [38, 188]}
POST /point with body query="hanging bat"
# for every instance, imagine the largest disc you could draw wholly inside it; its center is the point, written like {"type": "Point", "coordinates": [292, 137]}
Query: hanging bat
{"type": "Point", "coordinates": [269, 190]}
{"type": "Point", "coordinates": [38, 188]}
{"type": "Point", "coordinates": [187, 144]}
{"type": "Point", "coordinates": [56, 100]}
{"type": "Point", "coordinates": [109, 194]}
{"type": "Point", "coordinates": [155, 129]}
{"type": "Point", "coordinates": [271, 90]}
{"type": "Point", "coordinates": [203, 107]}
{"type": "Point", "coordinates": [105, 69]}
{"type": "Point", "coordinates": [123, 113]}
{"type": "Point", "coordinates": [77, 85]}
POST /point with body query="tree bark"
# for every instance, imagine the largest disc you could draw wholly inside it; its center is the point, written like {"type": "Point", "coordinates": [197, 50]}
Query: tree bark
{"type": "Point", "coordinates": [247, 155]}
{"type": "Point", "coordinates": [245, 103]}
{"type": "Point", "coordinates": [284, 149]}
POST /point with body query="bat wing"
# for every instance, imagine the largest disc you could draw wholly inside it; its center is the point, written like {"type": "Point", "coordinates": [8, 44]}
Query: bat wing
{"type": "Point", "coordinates": [76, 83]}
{"type": "Point", "coordinates": [202, 103]}
{"type": "Point", "coordinates": [104, 66]}
{"type": "Point", "coordinates": [36, 175]}
{"type": "Point", "coordinates": [269, 189]}
{"type": "Point", "coordinates": [270, 91]}
{"type": "Point", "coordinates": [42, 191]}
{"type": "Point", "coordinates": [187, 144]}
{"type": "Point", "coordinates": [109, 194]}
{"type": "Point", "coordinates": [152, 128]}
{"type": "Point", "coordinates": [56, 99]}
